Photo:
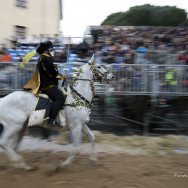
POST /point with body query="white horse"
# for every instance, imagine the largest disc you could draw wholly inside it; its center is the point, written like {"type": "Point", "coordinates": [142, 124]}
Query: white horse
{"type": "Point", "coordinates": [17, 107]}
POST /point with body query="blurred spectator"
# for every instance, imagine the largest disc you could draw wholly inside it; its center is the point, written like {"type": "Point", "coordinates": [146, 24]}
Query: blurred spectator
{"type": "Point", "coordinates": [171, 79]}
{"type": "Point", "coordinates": [141, 48]}
{"type": "Point", "coordinates": [60, 57]}
{"type": "Point", "coordinates": [149, 57]}
{"type": "Point", "coordinates": [183, 57]}
{"type": "Point", "coordinates": [13, 41]}
{"type": "Point", "coordinates": [5, 56]}
{"type": "Point", "coordinates": [82, 49]}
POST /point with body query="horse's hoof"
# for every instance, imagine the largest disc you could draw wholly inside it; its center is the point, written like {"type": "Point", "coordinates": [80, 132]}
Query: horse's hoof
{"type": "Point", "coordinates": [22, 166]}
{"type": "Point", "coordinates": [30, 168]}
{"type": "Point", "coordinates": [59, 168]}
{"type": "Point", "coordinates": [94, 162]}
{"type": "Point", "coordinates": [93, 158]}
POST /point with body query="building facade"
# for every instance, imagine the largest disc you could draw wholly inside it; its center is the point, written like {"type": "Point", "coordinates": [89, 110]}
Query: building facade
{"type": "Point", "coordinates": [29, 17]}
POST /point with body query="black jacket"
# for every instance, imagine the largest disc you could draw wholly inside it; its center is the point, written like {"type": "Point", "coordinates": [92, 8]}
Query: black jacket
{"type": "Point", "coordinates": [48, 72]}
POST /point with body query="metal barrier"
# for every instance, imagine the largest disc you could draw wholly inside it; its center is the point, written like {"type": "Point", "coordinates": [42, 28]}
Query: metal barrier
{"type": "Point", "coordinates": [136, 79]}
{"type": "Point", "coordinates": [130, 79]}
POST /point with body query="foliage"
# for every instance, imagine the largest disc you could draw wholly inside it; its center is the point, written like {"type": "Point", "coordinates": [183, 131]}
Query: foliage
{"type": "Point", "coordinates": [148, 15]}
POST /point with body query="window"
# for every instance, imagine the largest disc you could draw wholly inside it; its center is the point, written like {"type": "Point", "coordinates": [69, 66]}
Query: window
{"type": "Point", "coordinates": [20, 31]}
{"type": "Point", "coordinates": [21, 3]}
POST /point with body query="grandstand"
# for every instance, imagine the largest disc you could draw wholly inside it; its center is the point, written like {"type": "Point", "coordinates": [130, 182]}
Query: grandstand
{"type": "Point", "coordinates": [150, 64]}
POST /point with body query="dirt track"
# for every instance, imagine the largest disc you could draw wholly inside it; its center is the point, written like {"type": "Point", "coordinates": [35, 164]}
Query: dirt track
{"type": "Point", "coordinates": [113, 171]}
{"type": "Point", "coordinates": [124, 162]}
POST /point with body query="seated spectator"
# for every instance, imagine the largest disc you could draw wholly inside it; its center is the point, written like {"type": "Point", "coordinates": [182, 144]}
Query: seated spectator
{"type": "Point", "coordinates": [149, 58]}
{"type": "Point", "coordinates": [183, 57]}
{"type": "Point", "coordinates": [6, 57]}
{"type": "Point", "coordinates": [142, 49]}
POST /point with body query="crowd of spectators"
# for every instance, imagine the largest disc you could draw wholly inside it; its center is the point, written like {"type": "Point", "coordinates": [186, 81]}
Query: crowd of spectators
{"type": "Point", "coordinates": [130, 45]}
{"type": "Point", "coordinates": [140, 44]}
{"type": "Point", "coordinates": [119, 45]}
{"type": "Point", "coordinates": [144, 45]}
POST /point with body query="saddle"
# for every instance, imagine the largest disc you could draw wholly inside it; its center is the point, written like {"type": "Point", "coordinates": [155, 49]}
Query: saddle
{"type": "Point", "coordinates": [42, 110]}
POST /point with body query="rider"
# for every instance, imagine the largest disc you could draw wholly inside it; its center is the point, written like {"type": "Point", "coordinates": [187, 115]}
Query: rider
{"type": "Point", "coordinates": [45, 79]}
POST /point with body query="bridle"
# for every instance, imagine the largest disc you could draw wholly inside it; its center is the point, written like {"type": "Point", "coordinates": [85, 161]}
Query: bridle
{"type": "Point", "coordinates": [97, 74]}
{"type": "Point", "coordinates": [79, 99]}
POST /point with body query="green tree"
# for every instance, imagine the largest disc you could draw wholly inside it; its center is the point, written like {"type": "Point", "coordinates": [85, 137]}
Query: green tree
{"type": "Point", "coordinates": [148, 15]}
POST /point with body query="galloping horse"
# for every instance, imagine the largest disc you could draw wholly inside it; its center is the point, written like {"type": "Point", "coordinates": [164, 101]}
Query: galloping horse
{"type": "Point", "coordinates": [17, 107]}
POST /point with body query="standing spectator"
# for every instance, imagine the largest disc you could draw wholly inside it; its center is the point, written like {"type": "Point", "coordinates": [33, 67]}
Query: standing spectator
{"type": "Point", "coordinates": [141, 51]}
{"type": "Point", "coordinates": [171, 79]}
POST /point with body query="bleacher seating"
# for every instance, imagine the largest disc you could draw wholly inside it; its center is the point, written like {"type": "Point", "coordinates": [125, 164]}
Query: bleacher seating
{"type": "Point", "coordinates": [18, 53]}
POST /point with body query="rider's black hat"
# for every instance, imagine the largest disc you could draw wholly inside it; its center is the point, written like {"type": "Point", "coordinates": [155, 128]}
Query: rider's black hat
{"type": "Point", "coordinates": [44, 46]}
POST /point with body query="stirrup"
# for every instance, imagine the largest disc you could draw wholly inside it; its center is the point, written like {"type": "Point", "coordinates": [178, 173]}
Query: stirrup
{"type": "Point", "coordinates": [53, 123]}
{"type": "Point", "coordinates": [47, 125]}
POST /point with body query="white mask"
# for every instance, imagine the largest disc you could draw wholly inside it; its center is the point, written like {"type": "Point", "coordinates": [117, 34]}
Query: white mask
{"type": "Point", "coordinates": [51, 51]}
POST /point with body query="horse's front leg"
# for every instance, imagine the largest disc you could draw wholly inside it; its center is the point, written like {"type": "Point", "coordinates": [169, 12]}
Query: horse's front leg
{"type": "Point", "coordinates": [76, 134]}
{"type": "Point", "coordinates": [88, 132]}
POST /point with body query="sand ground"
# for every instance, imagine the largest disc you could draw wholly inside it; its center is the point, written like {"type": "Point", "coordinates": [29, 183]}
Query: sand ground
{"type": "Point", "coordinates": [117, 167]}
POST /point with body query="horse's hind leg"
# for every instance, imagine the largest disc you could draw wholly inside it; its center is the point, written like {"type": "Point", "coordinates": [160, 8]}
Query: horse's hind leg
{"type": "Point", "coordinates": [88, 132]}
{"type": "Point", "coordinates": [19, 162]}
{"type": "Point", "coordinates": [76, 133]}
{"type": "Point", "coordinates": [19, 137]}
{"type": "Point", "coordinates": [9, 141]}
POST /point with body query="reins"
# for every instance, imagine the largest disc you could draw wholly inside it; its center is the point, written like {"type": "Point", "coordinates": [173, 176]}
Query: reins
{"type": "Point", "coordinates": [79, 95]}
{"type": "Point", "coordinates": [79, 99]}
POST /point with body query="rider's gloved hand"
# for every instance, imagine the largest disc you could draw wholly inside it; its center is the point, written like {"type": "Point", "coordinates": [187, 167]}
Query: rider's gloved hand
{"type": "Point", "coordinates": [61, 77]}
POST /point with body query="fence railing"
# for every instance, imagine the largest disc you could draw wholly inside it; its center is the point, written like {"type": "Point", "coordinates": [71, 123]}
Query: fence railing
{"type": "Point", "coordinates": [150, 79]}
{"type": "Point", "coordinates": [130, 79]}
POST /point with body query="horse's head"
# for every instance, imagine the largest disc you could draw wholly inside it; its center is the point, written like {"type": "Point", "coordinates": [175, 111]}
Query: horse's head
{"type": "Point", "coordinates": [100, 71]}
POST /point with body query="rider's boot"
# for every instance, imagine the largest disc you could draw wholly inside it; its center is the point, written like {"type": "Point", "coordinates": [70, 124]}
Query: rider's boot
{"type": "Point", "coordinates": [53, 123]}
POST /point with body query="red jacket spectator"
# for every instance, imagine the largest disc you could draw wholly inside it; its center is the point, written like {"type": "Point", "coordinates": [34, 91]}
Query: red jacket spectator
{"type": "Point", "coordinates": [6, 57]}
